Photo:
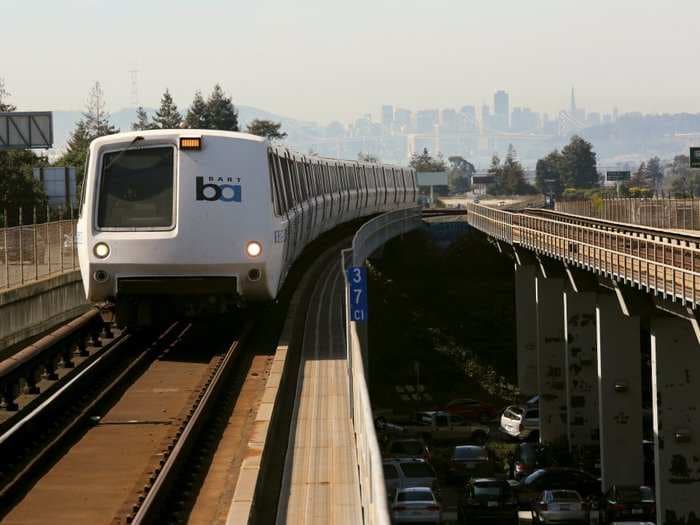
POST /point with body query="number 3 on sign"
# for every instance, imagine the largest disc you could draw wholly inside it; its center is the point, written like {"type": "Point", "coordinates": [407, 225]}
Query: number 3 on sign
{"type": "Point", "coordinates": [357, 280]}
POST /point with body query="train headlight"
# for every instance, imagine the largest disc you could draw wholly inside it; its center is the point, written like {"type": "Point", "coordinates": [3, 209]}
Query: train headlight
{"type": "Point", "coordinates": [253, 248]}
{"type": "Point", "coordinates": [101, 250]}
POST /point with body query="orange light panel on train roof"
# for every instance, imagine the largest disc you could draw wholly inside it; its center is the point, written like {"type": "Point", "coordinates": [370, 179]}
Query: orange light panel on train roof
{"type": "Point", "coordinates": [193, 143]}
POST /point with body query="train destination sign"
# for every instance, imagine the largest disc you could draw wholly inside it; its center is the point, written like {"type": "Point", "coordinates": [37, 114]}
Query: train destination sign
{"type": "Point", "coordinates": [695, 157]}
{"type": "Point", "coordinates": [617, 175]}
{"type": "Point", "coordinates": [26, 130]}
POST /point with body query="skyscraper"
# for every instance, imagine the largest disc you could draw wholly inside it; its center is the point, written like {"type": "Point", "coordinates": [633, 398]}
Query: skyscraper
{"type": "Point", "coordinates": [501, 110]}
{"type": "Point", "coordinates": [387, 116]}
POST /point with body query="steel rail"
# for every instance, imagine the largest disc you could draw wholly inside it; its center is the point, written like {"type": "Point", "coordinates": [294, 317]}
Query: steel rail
{"type": "Point", "coordinates": [156, 492]}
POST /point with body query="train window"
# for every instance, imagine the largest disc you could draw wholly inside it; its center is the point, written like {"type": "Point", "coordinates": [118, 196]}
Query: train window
{"type": "Point", "coordinates": [136, 189]}
{"type": "Point", "coordinates": [302, 180]}
{"type": "Point", "coordinates": [274, 184]}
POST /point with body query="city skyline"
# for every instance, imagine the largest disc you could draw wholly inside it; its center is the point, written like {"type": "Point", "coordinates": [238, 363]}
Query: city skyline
{"type": "Point", "coordinates": [351, 58]}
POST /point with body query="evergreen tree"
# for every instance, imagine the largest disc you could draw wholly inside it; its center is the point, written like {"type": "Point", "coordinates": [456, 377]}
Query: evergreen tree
{"type": "Point", "coordinates": [655, 172]}
{"type": "Point", "coordinates": [221, 114]}
{"type": "Point", "coordinates": [640, 179]}
{"type": "Point", "coordinates": [96, 116]}
{"type": "Point", "coordinates": [460, 173]}
{"type": "Point", "coordinates": [142, 122]}
{"type": "Point", "coordinates": [580, 170]}
{"type": "Point", "coordinates": [548, 173]}
{"type": "Point", "coordinates": [167, 117]}
{"type": "Point", "coordinates": [197, 114]}
{"type": "Point", "coordinates": [424, 162]}
{"type": "Point", "coordinates": [267, 128]}
{"type": "Point", "coordinates": [512, 174]}
{"type": "Point", "coordinates": [4, 95]}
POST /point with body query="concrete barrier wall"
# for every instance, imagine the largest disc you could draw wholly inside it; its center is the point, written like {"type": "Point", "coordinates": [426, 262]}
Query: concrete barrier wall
{"type": "Point", "coordinates": [26, 311]}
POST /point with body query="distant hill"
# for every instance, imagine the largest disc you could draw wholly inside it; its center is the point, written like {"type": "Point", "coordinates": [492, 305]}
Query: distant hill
{"type": "Point", "coordinates": [64, 121]}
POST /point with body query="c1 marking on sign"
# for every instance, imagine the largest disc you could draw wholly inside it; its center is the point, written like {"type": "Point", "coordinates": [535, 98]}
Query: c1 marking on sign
{"type": "Point", "coordinates": [695, 157]}
{"type": "Point", "coordinates": [357, 279]}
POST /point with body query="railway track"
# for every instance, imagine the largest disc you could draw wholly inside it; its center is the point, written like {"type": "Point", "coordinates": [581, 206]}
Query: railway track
{"type": "Point", "coordinates": [112, 450]}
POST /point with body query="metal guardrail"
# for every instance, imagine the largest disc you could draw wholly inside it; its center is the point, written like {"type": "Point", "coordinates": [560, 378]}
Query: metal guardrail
{"type": "Point", "coordinates": [681, 214]}
{"type": "Point", "coordinates": [368, 238]}
{"type": "Point", "coordinates": [35, 251]}
{"type": "Point", "coordinates": [665, 263]}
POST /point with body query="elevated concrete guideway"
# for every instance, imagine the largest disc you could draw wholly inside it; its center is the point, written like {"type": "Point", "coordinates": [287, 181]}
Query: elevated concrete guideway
{"type": "Point", "coordinates": [597, 287]}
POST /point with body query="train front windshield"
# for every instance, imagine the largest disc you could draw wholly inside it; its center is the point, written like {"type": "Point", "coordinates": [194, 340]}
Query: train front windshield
{"type": "Point", "coordinates": [136, 189]}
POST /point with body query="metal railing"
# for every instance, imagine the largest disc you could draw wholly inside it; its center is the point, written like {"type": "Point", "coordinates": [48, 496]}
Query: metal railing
{"type": "Point", "coordinates": [34, 251]}
{"type": "Point", "coordinates": [658, 261]}
{"type": "Point", "coordinates": [369, 459]}
{"type": "Point", "coordinates": [680, 214]}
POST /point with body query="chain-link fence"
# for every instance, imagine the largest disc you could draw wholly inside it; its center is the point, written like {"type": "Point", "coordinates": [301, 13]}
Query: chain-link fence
{"type": "Point", "coordinates": [33, 251]}
{"type": "Point", "coordinates": [677, 214]}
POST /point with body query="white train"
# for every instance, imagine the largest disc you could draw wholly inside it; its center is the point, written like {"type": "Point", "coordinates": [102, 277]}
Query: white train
{"type": "Point", "coordinates": [190, 219]}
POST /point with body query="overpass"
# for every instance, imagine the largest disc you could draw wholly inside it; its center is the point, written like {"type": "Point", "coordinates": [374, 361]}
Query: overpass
{"type": "Point", "coordinates": [587, 291]}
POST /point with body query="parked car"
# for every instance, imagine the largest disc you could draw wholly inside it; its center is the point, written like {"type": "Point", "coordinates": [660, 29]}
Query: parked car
{"type": "Point", "coordinates": [560, 506]}
{"type": "Point", "coordinates": [556, 478]}
{"type": "Point", "coordinates": [472, 409]}
{"type": "Point", "coordinates": [628, 502]}
{"type": "Point", "coordinates": [407, 448]}
{"type": "Point", "coordinates": [469, 461]}
{"type": "Point", "coordinates": [522, 422]}
{"type": "Point", "coordinates": [526, 460]}
{"type": "Point", "coordinates": [439, 425]}
{"type": "Point", "coordinates": [488, 500]}
{"type": "Point", "coordinates": [415, 505]}
{"type": "Point", "coordinates": [404, 473]}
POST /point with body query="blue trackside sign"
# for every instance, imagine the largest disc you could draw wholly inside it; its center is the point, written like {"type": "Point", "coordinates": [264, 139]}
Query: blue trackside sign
{"type": "Point", "coordinates": [357, 279]}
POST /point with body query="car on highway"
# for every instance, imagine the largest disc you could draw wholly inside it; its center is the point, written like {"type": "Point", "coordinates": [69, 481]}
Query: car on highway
{"type": "Point", "coordinates": [402, 473]}
{"type": "Point", "coordinates": [522, 422]}
{"type": "Point", "coordinates": [560, 506]}
{"type": "Point", "coordinates": [488, 500]}
{"type": "Point", "coordinates": [556, 478]}
{"type": "Point", "coordinates": [628, 502]}
{"type": "Point", "coordinates": [406, 448]}
{"type": "Point", "coordinates": [469, 461]}
{"type": "Point", "coordinates": [415, 505]}
{"type": "Point", "coordinates": [472, 409]}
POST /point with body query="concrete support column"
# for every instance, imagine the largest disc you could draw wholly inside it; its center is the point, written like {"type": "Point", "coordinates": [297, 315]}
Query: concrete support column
{"type": "Point", "coordinates": [619, 392]}
{"type": "Point", "coordinates": [581, 370]}
{"type": "Point", "coordinates": [550, 357]}
{"type": "Point", "coordinates": [676, 395]}
{"type": "Point", "coordinates": [526, 328]}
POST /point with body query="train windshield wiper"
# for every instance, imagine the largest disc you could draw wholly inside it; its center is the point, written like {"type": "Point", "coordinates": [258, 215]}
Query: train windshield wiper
{"type": "Point", "coordinates": [119, 156]}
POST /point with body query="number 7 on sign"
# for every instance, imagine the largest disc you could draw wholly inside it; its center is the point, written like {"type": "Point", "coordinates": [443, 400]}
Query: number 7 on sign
{"type": "Point", "coordinates": [357, 281]}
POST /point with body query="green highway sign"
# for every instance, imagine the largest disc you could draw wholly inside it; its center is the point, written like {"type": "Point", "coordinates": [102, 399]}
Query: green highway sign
{"type": "Point", "coordinates": [617, 175]}
{"type": "Point", "coordinates": [695, 157]}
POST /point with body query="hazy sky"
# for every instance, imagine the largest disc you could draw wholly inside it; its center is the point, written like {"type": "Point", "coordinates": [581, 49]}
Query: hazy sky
{"type": "Point", "coordinates": [327, 59]}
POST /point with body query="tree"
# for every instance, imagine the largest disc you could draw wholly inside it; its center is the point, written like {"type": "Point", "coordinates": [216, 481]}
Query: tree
{"type": "Point", "coordinates": [142, 122]}
{"type": "Point", "coordinates": [167, 117]}
{"type": "Point", "coordinates": [424, 162]}
{"type": "Point", "coordinates": [267, 129]}
{"type": "Point", "coordinates": [221, 114]}
{"type": "Point", "coordinates": [95, 123]}
{"type": "Point", "coordinates": [4, 95]}
{"type": "Point", "coordinates": [548, 173]}
{"type": "Point", "coordinates": [96, 116]}
{"type": "Point", "coordinates": [197, 115]}
{"type": "Point", "coordinates": [18, 188]}
{"type": "Point", "coordinates": [368, 157]}
{"type": "Point", "coordinates": [459, 174]}
{"type": "Point", "coordinates": [640, 179]}
{"type": "Point", "coordinates": [579, 166]}
{"type": "Point", "coordinates": [683, 181]}
{"type": "Point", "coordinates": [509, 175]}
{"type": "Point", "coordinates": [655, 172]}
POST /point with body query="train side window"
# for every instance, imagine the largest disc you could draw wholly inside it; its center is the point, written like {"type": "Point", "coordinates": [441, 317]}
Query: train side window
{"type": "Point", "coordinates": [282, 183]}
{"type": "Point", "coordinates": [276, 202]}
